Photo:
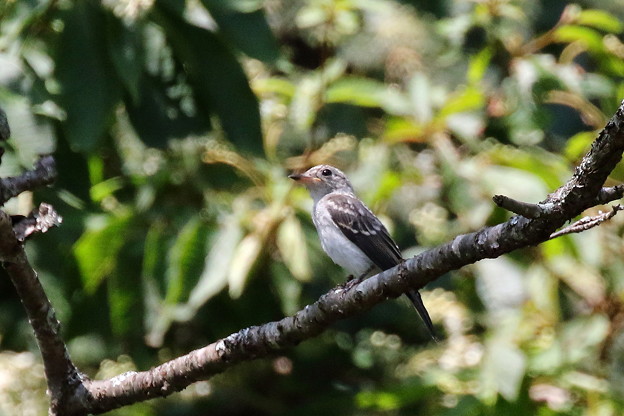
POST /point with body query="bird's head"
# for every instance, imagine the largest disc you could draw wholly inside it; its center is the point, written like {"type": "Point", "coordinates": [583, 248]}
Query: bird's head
{"type": "Point", "coordinates": [323, 179]}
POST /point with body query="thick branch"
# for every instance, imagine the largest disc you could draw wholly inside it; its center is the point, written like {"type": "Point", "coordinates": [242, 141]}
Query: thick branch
{"type": "Point", "coordinates": [61, 374]}
{"type": "Point", "coordinates": [582, 191]}
{"type": "Point", "coordinates": [44, 173]}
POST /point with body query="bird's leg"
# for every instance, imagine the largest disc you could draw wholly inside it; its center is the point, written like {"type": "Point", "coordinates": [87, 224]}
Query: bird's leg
{"type": "Point", "coordinates": [354, 281]}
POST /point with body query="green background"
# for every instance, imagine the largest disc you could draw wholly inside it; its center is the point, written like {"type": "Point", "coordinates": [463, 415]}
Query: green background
{"type": "Point", "coordinates": [174, 126]}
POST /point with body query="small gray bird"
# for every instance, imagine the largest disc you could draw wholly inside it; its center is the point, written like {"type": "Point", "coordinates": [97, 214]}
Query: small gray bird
{"type": "Point", "coordinates": [350, 233]}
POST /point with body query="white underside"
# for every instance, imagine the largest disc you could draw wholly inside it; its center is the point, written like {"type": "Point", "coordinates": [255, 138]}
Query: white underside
{"type": "Point", "coordinates": [338, 247]}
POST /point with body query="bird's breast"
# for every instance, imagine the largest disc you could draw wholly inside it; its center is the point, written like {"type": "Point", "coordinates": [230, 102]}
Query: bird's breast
{"type": "Point", "coordinates": [337, 246]}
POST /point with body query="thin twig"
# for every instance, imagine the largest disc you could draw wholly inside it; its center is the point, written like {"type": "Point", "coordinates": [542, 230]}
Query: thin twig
{"type": "Point", "coordinates": [588, 222]}
{"type": "Point", "coordinates": [525, 209]}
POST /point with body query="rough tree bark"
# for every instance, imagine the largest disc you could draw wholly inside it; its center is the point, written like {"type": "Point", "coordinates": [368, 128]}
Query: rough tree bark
{"type": "Point", "coordinates": [72, 393]}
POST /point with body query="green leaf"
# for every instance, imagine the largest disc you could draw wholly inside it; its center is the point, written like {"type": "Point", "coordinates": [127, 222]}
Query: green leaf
{"type": "Point", "coordinates": [503, 369]}
{"type": "Point", "coordinates": [577, 145]}
{"type": "Point", "coordinates": [88, 91]}
{"type": "Point", "coordinates": [214, 276]}
{"type": "Point", "coordinates": [246, 30]}
{"type": "Point", "coordinates": [154, 255]}
{"type": "Point", "coordinates": [468, 99]}
{"type": "Point", "coordinates": [292, 246]}
{"type": "Point", "coordinates": [478, 65]}
{"type": "Point", "coordinates": [126, 52]}
{"type": "Point", "coordinates": [186, 260]}
{"type": "Point", "coordinates": [105, 188]}
{"type": "Point", "coordinates": [217, 78]}
{"type": "Point", "coordinates": [98, 248]}
{"type": "Point", "coordinates": [158, 118]}
{"type": "Point", "coordinates": [125, 297]}
{"type": "Point", "coordinates": [366, 93]}
{"type": "Point", "coordinates": [572, 33]}
{"type": "Point", "coordinates": [600, 19]}
{"type": "Point", "coordinates": [243, 260]}
{"type": "Point", "coordinates": [274, 85]}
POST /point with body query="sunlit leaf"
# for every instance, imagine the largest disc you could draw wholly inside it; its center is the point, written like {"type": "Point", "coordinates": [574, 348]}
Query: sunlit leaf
{"type": "Point", "coordinates": [292, 246]}
{"type": "Point", "coordinates": [98, 249]}
{"type": "Point", "coordinates": [275, 86]}
{"type": "Point", "coordinates": [503, 369]}
{"type": "Point", "coordinates": [401, 129]}
{"type": "Point", "coordinates": [186, 259]}
{"type": "Point", "coordinates": [577, 145]}
{"type": "Point", "coordinates": [366, 93]}
{"type": "Point", "coordinates": [599, 19]}
{"type": "Point", "coordinates": [217, 263]}
{"type": "Point", "coordinates": [243, 260]}
{"type": "Point", "coordinates": [589, 37]}
{"type": "Point", "coordinates": [478, 65]}
{"type": "Point", "coordinates": [105, 188]}
{"type": "Point", "coordinates": [470, 99]}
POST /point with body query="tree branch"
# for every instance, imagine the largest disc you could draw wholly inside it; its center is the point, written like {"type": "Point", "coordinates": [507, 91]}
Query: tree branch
{"type": "Point", "coordinates": [586, 223]}
{"type": "Point", "coordinates": [44, 173]}
{"type": "Point", "coordinates": [582, 191]}
{"type": "Point", "coordinates": [39, 221]}
{"type": "Point", "coordinates": [73, 394]}
{"type": "Point", "coordinates": [61, 374]}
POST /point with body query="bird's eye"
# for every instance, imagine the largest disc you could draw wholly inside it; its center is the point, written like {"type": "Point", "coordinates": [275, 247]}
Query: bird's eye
{"type": "Point", "coordinates": [326, 172]}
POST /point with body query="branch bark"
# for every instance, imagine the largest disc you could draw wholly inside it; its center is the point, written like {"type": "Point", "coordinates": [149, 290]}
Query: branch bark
{"type": "Point", "coordinates": [74, 394]}
{"type": "Point", "coordinates": [43, 174]}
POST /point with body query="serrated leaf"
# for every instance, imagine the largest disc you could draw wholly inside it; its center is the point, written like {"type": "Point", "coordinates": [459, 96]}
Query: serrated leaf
{"type": "Point", "coordinates": [217, 78]}
{"type": "Point", "coordinates": [88, 92]}
{"type": "Point", "coordinates": [98, 248]}
{"type": "Point", "coordinates": [292, 246]}
{"type": "Point", "coordinates": [186, 259]}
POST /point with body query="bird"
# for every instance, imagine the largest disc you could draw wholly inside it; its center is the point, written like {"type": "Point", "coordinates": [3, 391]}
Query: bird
{"type": "Point", "coordinates": [351, 235]}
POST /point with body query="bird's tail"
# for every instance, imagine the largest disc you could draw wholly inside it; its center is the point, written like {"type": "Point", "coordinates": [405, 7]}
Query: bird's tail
{"type": "Point", "coordinates": [414, 297]}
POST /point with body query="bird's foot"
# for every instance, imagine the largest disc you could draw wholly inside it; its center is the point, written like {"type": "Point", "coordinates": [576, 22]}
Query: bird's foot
{"type": "Point", "coordinates": [352, 281]}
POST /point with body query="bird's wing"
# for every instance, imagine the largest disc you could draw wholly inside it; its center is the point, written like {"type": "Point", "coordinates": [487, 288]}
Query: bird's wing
{"type": "Point", "coordinates": [364, 230]}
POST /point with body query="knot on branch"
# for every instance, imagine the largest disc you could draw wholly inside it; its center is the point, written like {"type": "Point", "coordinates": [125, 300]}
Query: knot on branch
{"type": "Point", "coordinates": [527, 210]}
{"type": "Point", "coordinates": [39, 221]}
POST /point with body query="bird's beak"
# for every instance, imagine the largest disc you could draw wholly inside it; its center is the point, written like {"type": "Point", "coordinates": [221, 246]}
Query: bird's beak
{"type": "Point", "coordinates": [303, 178]}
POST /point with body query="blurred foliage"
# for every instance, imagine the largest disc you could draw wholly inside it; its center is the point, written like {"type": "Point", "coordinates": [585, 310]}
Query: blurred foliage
{"type": "Point", "coordinates": [174, 125]}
